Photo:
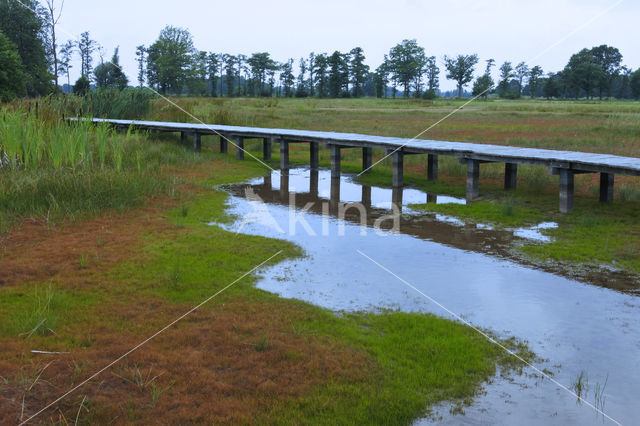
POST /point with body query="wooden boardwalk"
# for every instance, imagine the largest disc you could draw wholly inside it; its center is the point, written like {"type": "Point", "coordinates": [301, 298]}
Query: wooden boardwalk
{"type": "Point", "coordinates": [563, 163]}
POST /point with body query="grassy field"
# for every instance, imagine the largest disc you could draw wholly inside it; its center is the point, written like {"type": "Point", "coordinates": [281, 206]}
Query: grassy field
{"type": "Point", "coordinates": [105, 240]}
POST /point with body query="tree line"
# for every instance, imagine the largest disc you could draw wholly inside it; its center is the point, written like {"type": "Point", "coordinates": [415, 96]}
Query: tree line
{"type": "Point", "coordinates": [32, 63]}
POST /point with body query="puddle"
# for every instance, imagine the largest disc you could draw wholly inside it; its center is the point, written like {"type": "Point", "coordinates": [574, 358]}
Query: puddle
{"type": "Point", "coordinates": [535, 232]}
{"type": "Point", "coordinates": [574, 326]}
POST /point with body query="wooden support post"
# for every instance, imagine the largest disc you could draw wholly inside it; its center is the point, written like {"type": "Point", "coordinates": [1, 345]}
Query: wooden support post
{"type": "Point", "coordinates": [334, 198]}
{"type": "Point", "coordinates": [366, 195]}
{"type": "Point", "coordinates": [284, 154]}
{"type": "Point", "coordinates": [432, 198]}
{"type": "Point", "coordinates": [314, 180]}
{"type": "Point", "coordinates": [396, 196]}
{"type": "Point", "coordinates": [606, 187]}
{"type": "Point", "coordinates": [473, 177]}
{"type": "Point", "coordinates": [510, 176]}
{"type": "Point", "coordinates": [183, 137]}
{"type": "Point", "coordinates": [432, 167]}
{"type": "Point", "coordinates": [566, 190]}
{"type": "Point", "coordinates": [268, 186]}
{"type": "Point", "coordinates": [224, 145]}
{"type": "Point", "coordinates": [284, 185]}
{"type": "Point", "coordinates": [266, 149]}
{"type": "Point", "coordinates": [239, 147]}
{"type": "Point", "coordinates": [313, 155]}
{"type": "Point", "coordinates": [398, 169]}
{"type": "Point", "coordinates": [197, 142]}
{"type": "Point", "coordinates": [335, 161]}
{"type": "Point", "coordinates": [367, 156]}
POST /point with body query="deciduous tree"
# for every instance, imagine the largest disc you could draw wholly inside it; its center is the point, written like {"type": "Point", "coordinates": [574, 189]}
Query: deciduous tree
{"type": "Point", "coordinates": [358, 71]}
{"type": "Point", "coordinates": [484, 83]}
{"type": "Point", "coordinates": [109, 75]}
{"type": "Point", "coordinates": [87, 47]}
{"type": "Point", "coordinates": [461, 69]}
{"type": "Point", "coordinates": [406, 63]}
{"type": "Point", "coordinates": [169, 59]}
{"type": "Point", "coordinates": [11, 76]}
{"type": "Point", "coordinates": [287, 78]}
{"type": "Point", "coordinates": [66, 55]}
{"type": "Point", "coordinates": [609, 59]}
{"type": "Point", "coordinates": [24, 24]}
{"type": "Point", "coordinates": [506, 74]}
{"type": "Point", "coordinates": [521, 72]}
{"type": "Point", "coordinates": [141, 58]}
{"type": "Point", "coordinates": [534, 79]}
{"type": "Point", "coordinates": [432, 72]}
{"type": "Point", "coordinates": [54, 14]}
{"type": "Point", "coordinates": [635, 84]}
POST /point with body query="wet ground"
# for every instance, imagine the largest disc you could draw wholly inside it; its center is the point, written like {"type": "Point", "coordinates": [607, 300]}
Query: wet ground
{"type": "Point", "coordinates": [472, 270]}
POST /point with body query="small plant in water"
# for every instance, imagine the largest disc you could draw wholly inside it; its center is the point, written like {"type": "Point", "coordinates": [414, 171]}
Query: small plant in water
{"type": "Point", "coordinates": [598, 393]}
{"type": "Point", "coordinates": [581, 386]}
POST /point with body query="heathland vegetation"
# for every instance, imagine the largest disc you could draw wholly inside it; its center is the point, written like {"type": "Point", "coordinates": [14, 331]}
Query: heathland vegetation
{"type": "Point", "coordinates": [105, 239]}
{"type": "Point", "coordinates": [104, 236]}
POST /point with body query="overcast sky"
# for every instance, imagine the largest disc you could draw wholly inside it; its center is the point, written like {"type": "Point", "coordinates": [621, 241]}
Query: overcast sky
{"type": "Point", "coordinates": [513, 30]}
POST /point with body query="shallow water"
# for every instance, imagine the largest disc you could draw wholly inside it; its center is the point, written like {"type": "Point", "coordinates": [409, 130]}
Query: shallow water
{"type": "Point", "coordinates": [470, 270]}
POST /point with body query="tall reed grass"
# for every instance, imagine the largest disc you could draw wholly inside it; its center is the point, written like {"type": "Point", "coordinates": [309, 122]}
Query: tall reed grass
{"type": "Point", "coordinates": [55, 170]}
{"type": "Point", "coordinates": [29, 142]}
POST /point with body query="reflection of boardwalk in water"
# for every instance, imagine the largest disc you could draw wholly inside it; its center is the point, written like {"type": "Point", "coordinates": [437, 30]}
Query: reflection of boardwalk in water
{"type": "Point", "coordinates": [322, 193]}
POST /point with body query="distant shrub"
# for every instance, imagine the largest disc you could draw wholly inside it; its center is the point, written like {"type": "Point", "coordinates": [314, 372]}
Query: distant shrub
{"type": "Point", "coordinates": [430, 95]}
{"type": "Point", "coordinates": [82, 86]}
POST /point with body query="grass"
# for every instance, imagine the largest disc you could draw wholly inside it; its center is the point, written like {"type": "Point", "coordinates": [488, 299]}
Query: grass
{"type": "Point", "coordinates": [352, 364]}
{"type": "Point", "coordinates": [415, 360]}
{"type": "Point", "coordinates": [150, 255]}
{"type": "Point", "coordinates": [60, 171]}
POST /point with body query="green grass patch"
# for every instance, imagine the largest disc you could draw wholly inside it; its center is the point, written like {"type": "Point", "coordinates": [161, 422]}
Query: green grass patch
{"type": "Point", "coordinates": [41, 310]}
{"type": "Point", "coordinates": [595, 234]}
{"type": "Point", "coordinates": [507, 212]}
{"type": "Point", "coordinates": [417, 360]}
